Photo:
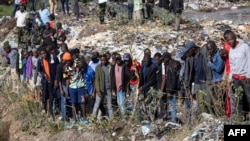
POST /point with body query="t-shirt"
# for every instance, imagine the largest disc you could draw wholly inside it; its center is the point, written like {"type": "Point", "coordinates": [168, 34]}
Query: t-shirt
{"type": "Point", "coordinates": [49, 40]}
{"type": "Point", "coordinates": [21, 18]}
{"type": "Point", "coordinates": [46, 67]}
{"type": "Point", "coordinates": [118, 77]}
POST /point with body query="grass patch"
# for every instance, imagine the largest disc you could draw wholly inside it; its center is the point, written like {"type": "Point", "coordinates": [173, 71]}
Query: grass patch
{"type": "Point", "coordinates": [5, 10]}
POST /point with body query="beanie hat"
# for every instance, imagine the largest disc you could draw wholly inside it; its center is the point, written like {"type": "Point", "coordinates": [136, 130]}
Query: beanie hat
{"type": "Point", "coordinates": [6, 45]}
{"type": "Point", "coordinates": [67, 56]}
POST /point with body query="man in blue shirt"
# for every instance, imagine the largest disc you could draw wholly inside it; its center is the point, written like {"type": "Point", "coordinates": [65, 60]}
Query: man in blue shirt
{"type": "Point", "coordinates": [44, 14]}
{"type": "Point", "coordinates": [215, 62]}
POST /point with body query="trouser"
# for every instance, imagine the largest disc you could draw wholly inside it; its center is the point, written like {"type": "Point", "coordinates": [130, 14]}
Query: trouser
{"type": "Point", "coordinates": [244, 101]}
{"type": "Point", "coordinates": [121, 96]}
{"type": "Point", "coordinates": [102, 7]}
{"type": "Point", "coordinates": [177, 21]}
{"type": "Point", "coordinates": [143, 13]}
{"type": "Point", "coordinates": [108, 96]}
{"type": "Point", "coordinates": [47, 94]}
{"type": "Point", "coordinates": [172, 107]}
{"type": "Point", "coordinates": [76, 8]}
{"type": "Point", "coordinates": [33, 5]}
{"type": "Point", "coordinates": [15, 80]}
{"type": "Point", "coordinates": [15, 7]}
{"type": "Point", "coordinates": [53, 6]}
{"type": "Point", "coordinates": [44, 2]}
{"type": "Point", "coordinates": [137, 15]}
{"type": "Point", "coordinates": [130, 10]}
{"type": "Point", "coordinates": [20, 33]}
{"type": "Point", "coordinates": [63, 6]}
{"type": "Point", "coordinates": [149, 8]}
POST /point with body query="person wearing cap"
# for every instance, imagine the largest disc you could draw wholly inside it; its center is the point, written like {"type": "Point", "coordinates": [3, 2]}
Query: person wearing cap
{"type": "Point", "coordinates": [197, 75]}
{"type": "Point", "coordinates": [47, 66]}
{"type": "Point", "coordinates": [94, 60]}
{"type": "Point", "coordinates": [11, 58]}
{"type": "Point", "coordinates": [134, 67]}
{"type": "Point", "coordinates": [61, 77]}
{"type": "Point", "coordinates": [20, 17]}
{"type": "Point", "coordinates": [103, 85]}
{"type": "Point", "coordinates": [120, 80]}
{"type": "Point", "coordinates": [172, 71]}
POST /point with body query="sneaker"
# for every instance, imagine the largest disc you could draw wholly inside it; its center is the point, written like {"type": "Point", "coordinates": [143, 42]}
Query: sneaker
{"type": "Point", "coordinates": [71, 124]}
{"type": "Point", "coordinates": [84, 122]}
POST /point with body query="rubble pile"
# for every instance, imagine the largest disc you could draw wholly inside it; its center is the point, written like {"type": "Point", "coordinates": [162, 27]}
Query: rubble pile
{"type": "Point", "coordinates": [209, 5]}
{"type": "Point", "coordinates": [210, 129]}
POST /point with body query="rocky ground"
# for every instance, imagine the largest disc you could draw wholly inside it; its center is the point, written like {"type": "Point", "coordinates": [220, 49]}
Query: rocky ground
{"type": "Point", "coordinates": [123, 36]}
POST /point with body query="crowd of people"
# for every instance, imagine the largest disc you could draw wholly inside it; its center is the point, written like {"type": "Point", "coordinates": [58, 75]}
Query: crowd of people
{"type": "Point", "coordinates": [60, 76]}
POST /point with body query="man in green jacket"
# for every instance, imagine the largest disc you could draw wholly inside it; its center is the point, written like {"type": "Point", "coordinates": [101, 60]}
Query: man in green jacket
{"type": "Point", "coordinates": [103, 85]}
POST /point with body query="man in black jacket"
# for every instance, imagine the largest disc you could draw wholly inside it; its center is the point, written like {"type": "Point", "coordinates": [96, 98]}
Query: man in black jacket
{"type": "Point", "coordinates": [147, 75]}
{"type": "Point", "coordinates": [176, 7]}
{"type": "Point", "coordinates": [121, 76]}
{"type": "Point", "coordinates": [172, 81]}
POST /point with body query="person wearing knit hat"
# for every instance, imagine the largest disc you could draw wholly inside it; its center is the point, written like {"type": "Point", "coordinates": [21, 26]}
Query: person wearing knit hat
{"type": "Point", "coordinates": [67, 56]}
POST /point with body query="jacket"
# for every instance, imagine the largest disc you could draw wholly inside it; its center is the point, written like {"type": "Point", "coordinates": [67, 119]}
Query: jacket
{"type": "Point", "coordinates": [52, 67]}
{"type": "Point", "coordinates": [127, 75]}
{"type": "Point", "coordinates": [172, 79]}
{"type": "Point", "coordinates": [189, 68]}
{"type": "Point", "coordinates": [217, 66]}
{"type": "Point", "coordinates": [89, 77]}
{"type": "Point", "coordinates": [99, 78]}
{"type": "Point", "coordinates": [150, 78]}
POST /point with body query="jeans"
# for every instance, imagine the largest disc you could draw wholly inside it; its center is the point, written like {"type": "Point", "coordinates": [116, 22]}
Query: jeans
{"type": "Point", "coordinates": [132, 95]}
{"type": "Point", "coordinates": [63, 103]}
{"type": "Point", "coordinates": [44, 2]}
{"type": "Point", "coordinates": [33, 5]}
{"type": "Point", "coordinates": [130, 10]}
{"type": "Point", "coordinates": [121, 96]}
{"type": "Point", "coordinates": [98, 100]}
{"type": "Point", "coordinates": [47, 93]}
{"type": "Point", "coordinates": [63, 6]}
{"type": "Point", "coordinates": [149, 8]}
{"type": "Point", "coordinates": [15, 9]}
{"type": "Point", "coordinates": [172, 106]}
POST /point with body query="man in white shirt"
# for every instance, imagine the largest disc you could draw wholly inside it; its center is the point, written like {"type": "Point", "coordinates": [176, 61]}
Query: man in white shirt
{"type": "Point", "coordinates": [21, 22]}
{"type": "Point", "coordinates": [239, 58]}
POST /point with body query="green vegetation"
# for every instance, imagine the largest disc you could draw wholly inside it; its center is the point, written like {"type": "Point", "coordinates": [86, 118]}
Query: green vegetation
{"type": "Point", "coordinates": [5, 10]}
